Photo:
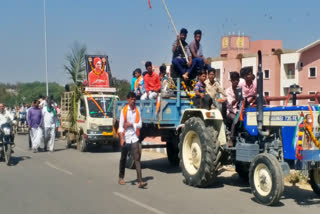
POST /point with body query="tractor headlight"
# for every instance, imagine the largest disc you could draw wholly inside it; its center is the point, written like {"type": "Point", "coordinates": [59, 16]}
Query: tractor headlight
{"type": "Point", "coordinates": [210, 114]}
{"type": "Point", "coordinates": [6, 131]}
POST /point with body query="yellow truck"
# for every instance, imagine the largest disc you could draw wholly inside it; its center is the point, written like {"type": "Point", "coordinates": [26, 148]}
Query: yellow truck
{"type": "Point", "coordinates": [89, 119]}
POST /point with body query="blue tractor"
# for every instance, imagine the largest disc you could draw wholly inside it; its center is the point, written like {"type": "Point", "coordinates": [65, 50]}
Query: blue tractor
{"type": "Point", "coordinates": [270, 142]}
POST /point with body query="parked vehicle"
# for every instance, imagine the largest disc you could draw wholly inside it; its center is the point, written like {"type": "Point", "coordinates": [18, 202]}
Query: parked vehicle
{"type": "Point", "coordinates": [6, 142]}
{"type": "Point", "coordinates": [267, 145]}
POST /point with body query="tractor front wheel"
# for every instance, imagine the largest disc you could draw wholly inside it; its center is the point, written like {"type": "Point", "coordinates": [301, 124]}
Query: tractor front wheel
{"type": "Point", "coordinates": [314, 175]}
{"type": "Point", "coordinates": [266, 179]}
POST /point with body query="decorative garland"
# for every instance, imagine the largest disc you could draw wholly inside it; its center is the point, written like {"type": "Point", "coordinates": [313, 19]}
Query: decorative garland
{"type": "Point", "coordinates": [299, 146]}
{"type": "Point", "coordinates": [185, 88]}
{"type": "Point", "coordinates": [309, 130]}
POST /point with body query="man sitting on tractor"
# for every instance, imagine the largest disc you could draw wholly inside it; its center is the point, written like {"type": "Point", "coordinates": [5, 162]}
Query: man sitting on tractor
{"type": "Point", "coordinates": [179, 61]}
{"type": "Point", "coordinates": [214, 90]}
{"type": "Point", "coordinates": [152, 83]}
{"type": "Point", "coordinates": [198, 60]}
{"type": "Point", "coordinates": [249, 87]}
{"type": "Point", "coordinates": [202, 100]}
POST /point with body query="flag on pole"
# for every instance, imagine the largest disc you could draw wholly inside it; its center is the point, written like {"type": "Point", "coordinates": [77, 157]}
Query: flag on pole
{"type": "Point", "coordinates": [149, 1]}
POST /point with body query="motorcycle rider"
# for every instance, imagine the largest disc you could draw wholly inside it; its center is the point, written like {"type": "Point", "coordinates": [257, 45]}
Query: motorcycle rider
{"type": "Point", "coordinates": [5, 116]}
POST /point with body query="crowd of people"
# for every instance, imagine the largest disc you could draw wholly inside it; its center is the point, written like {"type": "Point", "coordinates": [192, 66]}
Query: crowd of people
{"type": "Point", "coordinates": [42, 119]}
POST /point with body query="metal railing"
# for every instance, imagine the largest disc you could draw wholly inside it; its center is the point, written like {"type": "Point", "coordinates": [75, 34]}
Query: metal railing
{"type": "Point", "coordinates": [316, 97]}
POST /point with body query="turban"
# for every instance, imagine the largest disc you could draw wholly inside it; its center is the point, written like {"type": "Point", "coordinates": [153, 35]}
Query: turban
{"type": "Point", "coordinates": [97, 59]}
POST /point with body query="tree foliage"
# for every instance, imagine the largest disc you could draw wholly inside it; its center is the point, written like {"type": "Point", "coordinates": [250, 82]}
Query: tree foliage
{"type": "Point", "coordinates": [75, 66]}
{"type": "Point", "coordinates": [17, 94]}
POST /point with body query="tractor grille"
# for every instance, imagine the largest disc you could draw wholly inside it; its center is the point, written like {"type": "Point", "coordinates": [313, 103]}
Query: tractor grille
{"type": "Point", "coordinates": [105, 128]}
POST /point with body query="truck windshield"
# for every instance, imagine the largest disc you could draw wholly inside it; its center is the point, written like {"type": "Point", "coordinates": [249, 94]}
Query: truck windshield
{"type": "Point", "coordinates": [104, 103]}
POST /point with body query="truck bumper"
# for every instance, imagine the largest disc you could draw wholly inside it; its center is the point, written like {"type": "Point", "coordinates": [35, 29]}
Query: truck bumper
{"type": "Point", "coordinates": [99, 136]}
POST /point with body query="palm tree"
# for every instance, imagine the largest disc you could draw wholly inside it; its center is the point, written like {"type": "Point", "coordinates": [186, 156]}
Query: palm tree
{"type": "Point", "coordinates": [75, 66]}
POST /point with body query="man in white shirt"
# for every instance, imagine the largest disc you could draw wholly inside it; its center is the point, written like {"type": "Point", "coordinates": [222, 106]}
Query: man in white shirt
{"type": "Point", "coordinates": [5, 116]}
{"type": "Point", "coordinates": [49, 122]}
{"type": "Point", "coordinates": [129, 131]}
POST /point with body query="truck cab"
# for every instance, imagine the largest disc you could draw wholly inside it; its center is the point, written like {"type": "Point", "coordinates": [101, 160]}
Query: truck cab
{"type": "Point", "coordinates": [92, 122]}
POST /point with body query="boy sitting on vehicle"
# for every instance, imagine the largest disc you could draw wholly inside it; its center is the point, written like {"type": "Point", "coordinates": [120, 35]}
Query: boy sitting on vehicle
{"type": "Point", "coordinates": [202, 100]}
{"type": "Point", "coordinates": [152, 83]}
{"type": "Point", "coordinates": [138, 87]}
{"type": "Point", "coordinates": [249, 87]}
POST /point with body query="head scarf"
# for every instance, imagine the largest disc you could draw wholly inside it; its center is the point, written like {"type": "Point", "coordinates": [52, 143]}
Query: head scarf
{"type": "Point", "coordinates": [96, 60]}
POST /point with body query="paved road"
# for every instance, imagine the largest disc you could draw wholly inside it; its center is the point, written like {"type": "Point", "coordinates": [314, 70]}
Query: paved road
{"type": "Point", "coordinates": [68, 181]}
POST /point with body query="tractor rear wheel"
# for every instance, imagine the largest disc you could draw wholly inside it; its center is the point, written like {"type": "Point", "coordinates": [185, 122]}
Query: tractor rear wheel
{"type": "Point", "coordinates": [314, 175]}
{"type": "Point", "coordinates": [266, 179]}
{"type": "Point", "coordinates": [198, 153]}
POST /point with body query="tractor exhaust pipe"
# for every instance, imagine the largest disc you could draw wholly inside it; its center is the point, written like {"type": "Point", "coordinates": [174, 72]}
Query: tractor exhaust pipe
{"type": "Point", "coordinates": [260, 97]}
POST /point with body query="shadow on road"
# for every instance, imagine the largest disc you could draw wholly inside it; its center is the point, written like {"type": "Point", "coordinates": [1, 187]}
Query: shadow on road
{"type": "Point", "coordinates": [145, 179]}
{"type": "Point", "coordinates": [161, 165]}
{"type": "Point", "coordinates": [98, 149]}
{"type": "Point", "coordinates": [16, 160]}
{"type": "Point", "coordinates": [301, 197]}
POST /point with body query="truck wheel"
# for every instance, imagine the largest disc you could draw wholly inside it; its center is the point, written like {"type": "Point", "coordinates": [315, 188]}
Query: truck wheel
{"type": "Point", "coordinates": [198, 153]}
{"type": "Point", "coordinates": [130, 161]}
{"type": "Point", "coordinates": [82, 144]}
{"type": "Point", "coordinates": [314, 175]}
{"type": "Point", "coordinates": [266, 179]}
{"type": "Point", "coordinates": [242, 168]}
{"type": "Point", "coordinates": [68, 141]}
{"type": "Point", "coordinates": [172, 153]}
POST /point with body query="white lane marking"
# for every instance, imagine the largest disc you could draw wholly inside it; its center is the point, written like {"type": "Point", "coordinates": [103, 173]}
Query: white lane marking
{"type": "Point", "coordinates": [138, 203]}
{"type": "Point", "coordinates": [57, 168]}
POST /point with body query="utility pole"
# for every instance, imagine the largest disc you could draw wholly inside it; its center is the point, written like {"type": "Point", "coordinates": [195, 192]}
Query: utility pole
{"type": "Point", "coordinates": [45, 44]}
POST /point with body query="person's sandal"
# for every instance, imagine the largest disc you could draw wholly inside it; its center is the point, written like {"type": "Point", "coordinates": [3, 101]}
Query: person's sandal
{"type": "Point", "coordinates": [142, 185]}
{"type": "Point", "coordinates": [121, 181]}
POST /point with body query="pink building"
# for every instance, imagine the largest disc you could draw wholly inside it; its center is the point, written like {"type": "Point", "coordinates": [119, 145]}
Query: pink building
{"type": "Point", "coordinates": [281, 68]}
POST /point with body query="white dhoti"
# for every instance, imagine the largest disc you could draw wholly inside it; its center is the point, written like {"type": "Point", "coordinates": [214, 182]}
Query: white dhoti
{"type": "Point", "coordinates": [36, 135]}
{"type": "Point", "coordinates": [152, 96]}
{"type": "Point", "coordinates": [49, 137]}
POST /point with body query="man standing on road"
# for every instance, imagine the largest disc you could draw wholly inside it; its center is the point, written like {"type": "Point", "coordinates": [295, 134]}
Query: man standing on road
{"type": "Point", "coordinates": [35, 120]}
{"type": "Point", "coordinates": [49, 121]}
{"type": "Point", "coordinates": [29, 131]}
{"type": "Point", "coordinates": [129, 131]}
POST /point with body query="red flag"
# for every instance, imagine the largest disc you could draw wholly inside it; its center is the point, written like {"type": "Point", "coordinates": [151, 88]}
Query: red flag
{"type": "Point", "coordinates": [149, 1]}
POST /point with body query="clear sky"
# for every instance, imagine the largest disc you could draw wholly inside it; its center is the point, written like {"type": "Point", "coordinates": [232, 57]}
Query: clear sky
{"type": "Point", "coordinates": [131, 33]}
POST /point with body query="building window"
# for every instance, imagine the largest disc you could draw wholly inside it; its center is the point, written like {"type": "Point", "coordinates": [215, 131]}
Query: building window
{"type": "Point", "coordinates": [290, 70]}
{"type": "Point", "coordinates": [266, 74]}
{"type": "Point", "coordinates": [312, 72]}
{"type": "Point", "coordinates": [312, 99]}
{"type": "Point", "coordinates": [267, 93]}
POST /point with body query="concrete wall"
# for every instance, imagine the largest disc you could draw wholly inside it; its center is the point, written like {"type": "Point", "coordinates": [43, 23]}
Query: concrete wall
{"type": "Point", "coordinates": [310, 58]}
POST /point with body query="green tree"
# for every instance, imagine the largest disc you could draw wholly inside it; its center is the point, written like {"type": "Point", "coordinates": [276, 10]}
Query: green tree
{"type": "Point", "coordinates": [75, 66]}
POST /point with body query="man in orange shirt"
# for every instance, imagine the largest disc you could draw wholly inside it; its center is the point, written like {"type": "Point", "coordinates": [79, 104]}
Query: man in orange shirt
{"type": "Point", "coordinates": [152, 83]}
{"type": "Point", "coordinates": [98, 77]}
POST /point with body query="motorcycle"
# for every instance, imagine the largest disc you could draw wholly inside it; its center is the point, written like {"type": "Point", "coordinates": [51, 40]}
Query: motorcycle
{"type": "Point", "coordinates": [6, 142]}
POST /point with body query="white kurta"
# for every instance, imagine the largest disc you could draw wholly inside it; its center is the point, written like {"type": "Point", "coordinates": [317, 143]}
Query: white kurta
{"type": "Point", "coordinates": [49, 122]}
